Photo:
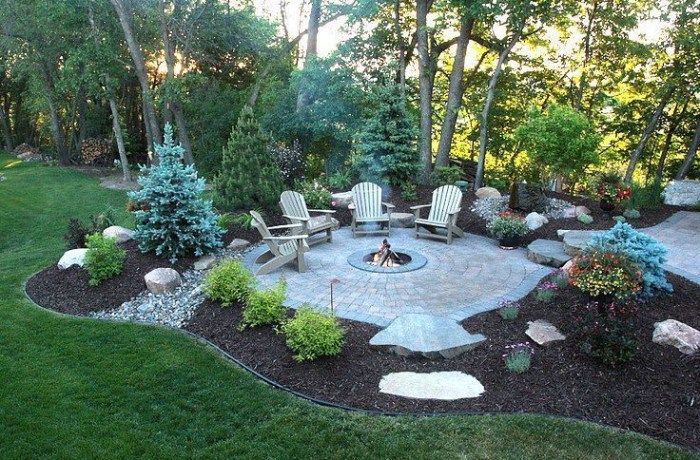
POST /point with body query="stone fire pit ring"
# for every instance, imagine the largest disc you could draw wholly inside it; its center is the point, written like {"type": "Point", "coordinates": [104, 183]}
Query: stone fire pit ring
{"type": "Point", "coordinates": [358, 260]}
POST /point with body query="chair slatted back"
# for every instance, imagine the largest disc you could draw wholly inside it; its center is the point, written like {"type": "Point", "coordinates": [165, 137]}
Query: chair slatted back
{"type": "Point", "coordinates": [293, 204]}
{"type": "Point", "coordinates": [367, 198]}
{"type": "Point", "coordinates": [445, 199]}
{"type": "Point", "coordinates": [259, 223]}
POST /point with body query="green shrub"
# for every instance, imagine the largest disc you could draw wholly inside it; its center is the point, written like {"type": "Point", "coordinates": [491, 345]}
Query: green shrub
{"type": "Point", "coordinates": [408, 191]}
{"type": "Point", "coordinates": [225, 221]}
{"type": "Point", "coordinates": [103, 259]}
{"type": "Point", "coordinates": [608, 332]}
{"type": "Point", "coordinates": [545, 295]}
{"type": "Point", "coordinates": [315, 194]}
{"type": "Point", "coordinates": [312, 334]}
{"type": "Point", "coordinates": [509, 311]}
{"type": "Point", "coordinates": [518, 357]}
{"type": "Point", "coordinates": [265, 307]}
{"type": "Point", "coordinates": [340, 179]}
{"type": "Point", "coordinates": [229, 282]}
{"type": "Point", "coordinates": [602, 272]}
{"type": "Point", "coordinates": [243, 220]}
{"type": "Point", "coordinates": [646, 197]}
{"type": "Point", "coordinates": [445, 175]}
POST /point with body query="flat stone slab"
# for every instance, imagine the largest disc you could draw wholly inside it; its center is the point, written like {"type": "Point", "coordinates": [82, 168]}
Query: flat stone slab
{"type": "Point", "coordinates": [677, 334]}
{"type": "Point", "coordinates": [543, 332]}
{"type": "Point", "coordinates": [446, 386]}
{"type": "Point", "coordinates": [426, 335]}
{"type": "Point", "coordinates": [402, 220]}
{"type": "Point", "coordinates": [548, 252]}
{"type": "Point", "coordinates": [576, 240]}
{"type": "Point", "coordinates": [72, 257]}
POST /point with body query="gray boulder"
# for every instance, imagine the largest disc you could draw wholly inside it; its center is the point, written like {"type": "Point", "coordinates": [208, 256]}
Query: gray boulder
{"type": "Point", "coordinates": [682, 193]}
{"type": "Point", "coordinates": [402, 220]}
{"type": "Point", "coordinates": [548, 252]}
{"type": "Point", "coordinates": [72, 257]}
{"type": "Point", "coordinates": [162, 280]}
{"type": "Point", "coordinates": [487, 192]}
{"type": "Point", "coordinates": [677, 334]}
{"type": "Point", "coordinates": [121, 234]}
{"type": "Point", "coordinates": [530, 198]}
{"type": "Point", "coordinates": [342, 199]}
{"type": "Point", "coordinates": [535, 220]}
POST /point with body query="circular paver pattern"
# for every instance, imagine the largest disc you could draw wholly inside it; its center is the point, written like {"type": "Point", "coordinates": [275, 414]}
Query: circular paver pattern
{"type": "Point", "coordinates": [469, 276]}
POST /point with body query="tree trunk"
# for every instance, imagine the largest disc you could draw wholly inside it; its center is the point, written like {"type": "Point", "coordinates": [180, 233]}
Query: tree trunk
{"type": "Point", "coordinates": [491, 92]}
{"type": "Point", "coordinates": [426, 154]}
{"type": "Point", "coordinates": [455, 93]}
{"type": "Point", "coordinates": [56, 129]}
{"type": "Point", "coordinates": [303, 98]}
{"type": "Point", "coordinates": [648, 132]}
{"type": "Point", "coordinates": [149, 114]}
{"type": "Point", "coordinates": [587, 54]}
{"type": "Point", "coordinates": [672, 126]}
{"type": "Point", "coordinates": [688, 162]}
{"type": "Point", "coordinates": [400, 46]}
{"type": "Point", "coordinates": [120, 140]}
{"type": "Point", "coordinates": [5, 130]}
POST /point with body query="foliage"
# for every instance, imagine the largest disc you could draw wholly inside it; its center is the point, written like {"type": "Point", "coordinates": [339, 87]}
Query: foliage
{"type": "Point", "coordinates": [312, 334]}
{"type": "Point", "coordinates": [608, 332]}
{"type": "Point", "coordinates": [387, 145]}
{"type": "Point", "coordinates": [546, 291]}
{"type": "Point", "coordinates": [225, 221]}
{"type": "Point", "coordinates": [174, 219]}
{"type": "Point", "coordinates": [561, 279]}
{"type": "Point", "coordinates": [646, 197]}
{"type": "Point", "coordinates": [249, 177]}
{"type": "Point", "coordinates": [243, 220]}
{"type": "Point", "coordinates": [631, 214]}
{"type": "Point", "coordinates": [641, 249]}
{"type": "Point", "coordinates": [612, 189]}
{"type": "Point", "coordinates": [445, 175]}
{"type": "Point", "coordinates": [599, 272]}
{"type": "Point", "coordinates": [341, 179]}
{"type": "Point", "coordinates": [315, 194]}
{"type": "Point", "coordinates": [265, 307]}
{"type": "Point", "coordinates": [289, 160]}
{"type": "Point", "coordinates": [75, 236]}
{"type": "Point", "coordinates": [229, 282]}
{"type": "Point", "coordinates": [103, 259]}
{"type": "Point", "coordinates": [509, 310]}
{"type": "Point", "coordinates": [409, 192]}
{"type": "Point", "coordinates": [518, 357]}
{"type": "Point", "coordinates": [507, 224]}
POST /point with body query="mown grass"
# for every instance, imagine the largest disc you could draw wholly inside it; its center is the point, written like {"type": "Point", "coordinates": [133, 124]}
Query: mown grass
{"type": "Point", "coordinates": [80, 388]}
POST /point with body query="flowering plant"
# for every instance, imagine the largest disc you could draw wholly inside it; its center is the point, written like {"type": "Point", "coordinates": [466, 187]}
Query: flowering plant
{"type": "Point", "coordinates": [598, 273]}
{"type": "Point", "coordinates": [546, 291]}
{"type": "Point", "coordinates": [509, 310]}
{"type": "Point", "coordinates": [613, 190]}
{"type": "Point", "coordinates": [507, 224]}
{"type": "Point", "coordinates": [609, 332]}
{"type": "Point", "coordinates": [518, 357]}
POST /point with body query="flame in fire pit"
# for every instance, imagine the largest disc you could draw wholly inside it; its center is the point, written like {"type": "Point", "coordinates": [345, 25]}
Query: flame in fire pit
{"type": "Point", "coordinates": [385, 257]}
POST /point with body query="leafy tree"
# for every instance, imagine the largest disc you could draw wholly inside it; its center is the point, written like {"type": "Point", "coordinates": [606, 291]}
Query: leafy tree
{"type": "Point", "coordinates": [249, 176]}
{"type": "Point", "coordinates": [388, 143]}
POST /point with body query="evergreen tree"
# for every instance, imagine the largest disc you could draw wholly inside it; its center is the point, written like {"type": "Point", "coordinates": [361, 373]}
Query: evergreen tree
{"type": "Point", "coordinates": [172, 219]}
{"type": "Point", "coordinates": [250, 178]}
{"type": "Point", "coordinates": [388, 151]}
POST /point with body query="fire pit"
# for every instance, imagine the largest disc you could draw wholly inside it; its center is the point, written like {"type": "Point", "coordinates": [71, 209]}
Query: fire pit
{"type": "Point", "coordinates": [387, 260]}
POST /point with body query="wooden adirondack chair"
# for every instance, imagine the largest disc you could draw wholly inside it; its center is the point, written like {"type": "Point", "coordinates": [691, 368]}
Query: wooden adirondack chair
{"type": "Point", "coordinates": [443, 214]}
{"type": "Point", "coordinates": [367, 208]}
{"type": "Point", "coordinates": [281, 249]}
{"type": "Point", "coordinates": [295, 211]}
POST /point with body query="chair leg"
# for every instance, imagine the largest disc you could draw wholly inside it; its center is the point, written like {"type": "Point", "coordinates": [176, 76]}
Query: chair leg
{"type": "Point", "coordinates": [330, 235]}
{"type": "Point", "coordinates": [301, 262]}
{"type": "Point", "coordinates": [274, 264]}
{"type": "Point", "coordinates": [449, 235]}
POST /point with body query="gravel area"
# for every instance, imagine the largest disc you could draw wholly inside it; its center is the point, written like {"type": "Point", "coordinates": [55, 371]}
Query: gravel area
{"type": "Point", "coordinates": [487, 208]}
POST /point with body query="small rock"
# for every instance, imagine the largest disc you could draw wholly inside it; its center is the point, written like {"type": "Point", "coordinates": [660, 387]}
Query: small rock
{"type": "Point", "coordinates": [342, 199]}
{"type": "Point", "coordinates": [619, 219]}
{"type": "Point", "coordinates": [566, 268]}
{"type": "Point", "coordinates": [145, 308]}
{"type": "Point", "coordinates": [561, 233]}
{"type": "Point", "coordinates": [543, 332]}
{"type": "Point", "coordinates": [569, 212]}
{"type": "Point", "coordinates": [238, 243]}
{"type": "Point", "coordinates": [162, 280]}
{"type": "Point", "coordinates": [581, 210]}
{"type": "Point", "coordinates": [677, 334]}
{"type": "Point", "coordinates": [585, 219]}
{"type": "Point", "coordinates": [120, 233]}
{"type": "Point", "coordinates": [487, 192]}
{"type": "Point", "coordinates": [446, 386]}
{"type": "Point", "coordinates": [402, 220]}
{"type": "Point", "coordinates": [535, 220]}
{"type": "Point", "coordinates": [632, 214]}
{"type": "Point", "coordinates": [72, 257]}
{"type": "Point", "coordinates": [205, 262]}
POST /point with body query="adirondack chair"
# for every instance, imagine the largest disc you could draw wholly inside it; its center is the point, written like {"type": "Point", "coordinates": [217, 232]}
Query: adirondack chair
{"type": "Point", "coordinates": [295, 211]}
{"type": "Point", "coordinates": [443, 214]}
{"type": "Point", "coordinates": [367, 208]}
{"type": "Point", "coordinates": [281, 249]}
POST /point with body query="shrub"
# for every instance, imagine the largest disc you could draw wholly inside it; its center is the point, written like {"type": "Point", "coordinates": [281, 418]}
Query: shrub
{"type": "Point", "coordinates": [561, 279]}
{"type": "Point", "coordinates": [631, 214]}
{"type": "Point", "coordinates": [243, 220]}
{"type": "Point", "coordinates": [518, 357]}
{"type": "Point", "coordinates": [173, 219]}
{"type": "Point", "coordinates": [585, 219]}
{"type": "Point", "coordinates": [103, 259]}
{"type": "Point", "coordinates": [641, 249]}
{"type": "Point", "coordinates": [289, 160]}
{"type": "Point", "coordinates": [75, 236]}
{"type": "Point", "coordinates": [509, 310]}
{"type": "Point", "coordinates": [315, 194]}
{"type": "Point", "coordinates": [249, 176]}
{"type": "Point", "coordinates": [225, 221]}
{"type": "Point", "coordinates": [546, 291]}
{"type": "Point", "coordinates": [265, 307]}
{"type": "Point", "coordinates": [408, 191]}
{"type": "Point", "coordinates": [312, 334]}
{"type": "Point", "coordinates": [507, 224]}
{"type": "Point", "coordinates": [612, 189]}
{"type": "Point", "coordinates": [646, 197]}
{"type": "Point", "coordinates": [608, 332]}
{"type": "Point", "coordinates": [445, 175]}
{"type": "Point", "coordinates": [229, 282]}
{"type": "Point", "coordinates": [340, 179]}
{"type": "Point", "coordinates": [605, 273]}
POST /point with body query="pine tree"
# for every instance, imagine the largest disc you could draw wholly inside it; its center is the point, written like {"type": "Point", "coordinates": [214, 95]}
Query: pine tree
{"type": "Point", "coordinates": [388, 151]}
{"type": "Point", "coordinates": [250, 178]}
{"type": "Point", "coordinates": [172, 218]}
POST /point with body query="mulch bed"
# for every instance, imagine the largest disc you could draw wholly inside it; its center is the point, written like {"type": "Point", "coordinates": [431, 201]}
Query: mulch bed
{"type": "Point", "coordinates": [68, 291]}
{"type": "Point", "coordinates": [657, 393]}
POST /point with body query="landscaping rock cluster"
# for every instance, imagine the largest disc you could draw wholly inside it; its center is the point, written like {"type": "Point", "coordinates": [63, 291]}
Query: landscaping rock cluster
{"type": "Point", "coordinates": [489, 206]}
{"type": "Point", "coordinates": [682, 193]}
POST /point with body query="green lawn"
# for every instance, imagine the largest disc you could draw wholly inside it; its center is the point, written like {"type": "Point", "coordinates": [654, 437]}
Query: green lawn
{"type": "Point", "coordinates": [79, 388]}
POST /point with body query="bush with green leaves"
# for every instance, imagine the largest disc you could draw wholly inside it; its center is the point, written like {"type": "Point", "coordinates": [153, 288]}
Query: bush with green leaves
{"type": "Point", "coordinates": [509, 310]}
{"type": "Point", "coordinates": [518, 357]}
{"type": "Point", "coordinates": [77, 232]}
{"type": "Point", "coordinates": [265, 307]}
{"type": "Point", "coordinates": [172, 218]}
{"type": "Point", "coordinates": [341, 179]}
{"type": "Point", "coordinates": [229, 282]}
{"type": "Point", "coordinates": [250, 177]}
{"type": "Point", "coordinates": [408, 191]}
{"type": "Point", "coordinates": [388, 143]}
{"type": "Point", "coordinates": [311, 334]}
{"type": "Point", "coordinates": [103, 259]}
{"type": "Point", "coordinates": [608, 332]}
{"type": "Point", "coordinates": [646, 196]}
{"type": "Point", "coordinates": [445, 175]}
{"type": "Point", "coordinates": [316, 195]}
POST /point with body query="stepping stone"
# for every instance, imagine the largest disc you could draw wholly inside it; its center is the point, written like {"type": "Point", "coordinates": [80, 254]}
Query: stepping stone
{"type": "Point", "coordinates": [576, 240]}
{"type": "Point", "coordinates": [72, 257]}
{"type": "Point", "coordinates": [238, 243]}
{"type": "Point", "coordinates": [677, 334]}
{"type": "Point", "coordinates": [204, 263]}
{"type": "Point", "coordinates": [547, 252]}
{"type": "Point", "coordinates": [162, 280]}
{"type": "Point", "coordinates": [446, 386]}
{"type": "Point", "coordinates": [543, 332]}
{"type": "Point", "coordinates": [402, 220]}
{"type": "Point", "coordinates": [121, 234]}
{"type": "Point", "coordinates": [426, 335]}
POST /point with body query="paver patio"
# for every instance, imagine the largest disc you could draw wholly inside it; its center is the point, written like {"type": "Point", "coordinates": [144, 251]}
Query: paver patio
{"type": "Point", "coordinates": [469, 276]}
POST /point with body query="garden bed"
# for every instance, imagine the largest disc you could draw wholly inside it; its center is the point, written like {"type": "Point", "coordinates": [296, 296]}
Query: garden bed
{"type": "Point", "coordinates": [656, 393]}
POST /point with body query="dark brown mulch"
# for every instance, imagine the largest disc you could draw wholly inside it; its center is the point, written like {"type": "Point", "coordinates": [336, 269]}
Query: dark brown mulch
{"type": "Point", "coordinates": [68, 291]}
{"type": "Point", "coordinates": [657, 393]}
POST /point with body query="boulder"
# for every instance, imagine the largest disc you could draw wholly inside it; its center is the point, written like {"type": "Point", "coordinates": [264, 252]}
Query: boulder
{"type": "Point", "coordinates": [547, 252]}
{"type": "Point", "coordinates": [162, 280]}
{"type": "Point", "coordinates": [446, 385]}
{"type": "Point", "coordinates": [581, 210]}
{"type": "Point", "coordinates": [535, 220]}
{"type": "Point", "coordinates": [530, 198]}
{"type": "Point", "coordinates": [402, 220]}
{"type": "Point", "coordinates": [487, 192]}
{"type": "Point", "coordinates": [561, 232]}
{"type": "Point", "coordinates": [569, 213]}
{"type": "Point", "coordinates": [341, 199]}
{"type": "Point", "coordinates": [542, 332]}
{"type": "Point", "coordinates": [238, 243]}
{"type": "Point", "coordinates": [72, 257]}
{"type": "Point", "coordinates": [566, 268]}
{"type": "Point", "coordinates": [204, 262]}
{"type": "Point", "coordinates": [677, 334]}
{"type": "Point", "coordinates": [682, 193]}
{"type": "Point", "coordinates": [120, 233]}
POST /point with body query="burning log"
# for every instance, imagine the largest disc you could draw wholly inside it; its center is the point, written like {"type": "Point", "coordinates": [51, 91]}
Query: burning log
{"type": "Point", "coordinates": [385, 257]}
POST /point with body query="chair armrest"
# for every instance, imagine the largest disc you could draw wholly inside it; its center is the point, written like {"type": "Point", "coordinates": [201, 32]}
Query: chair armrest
{"type": "Point", "coordinates": [388, 205]}
{"type": "Point", "coordinates": [302, 219]}
{"type": "Point", "coordinates": [454, 211]}
{"type": "Point", "coordinates": [421, 206]}
{"type": "Point", "coordinates": [324, 211]}
{"type": "Point", "coordinates": [277, 227]}
{"type": "Point", "coordinates": [287, 238]}
{"type": "Point", "coordinates": [351, 206]}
